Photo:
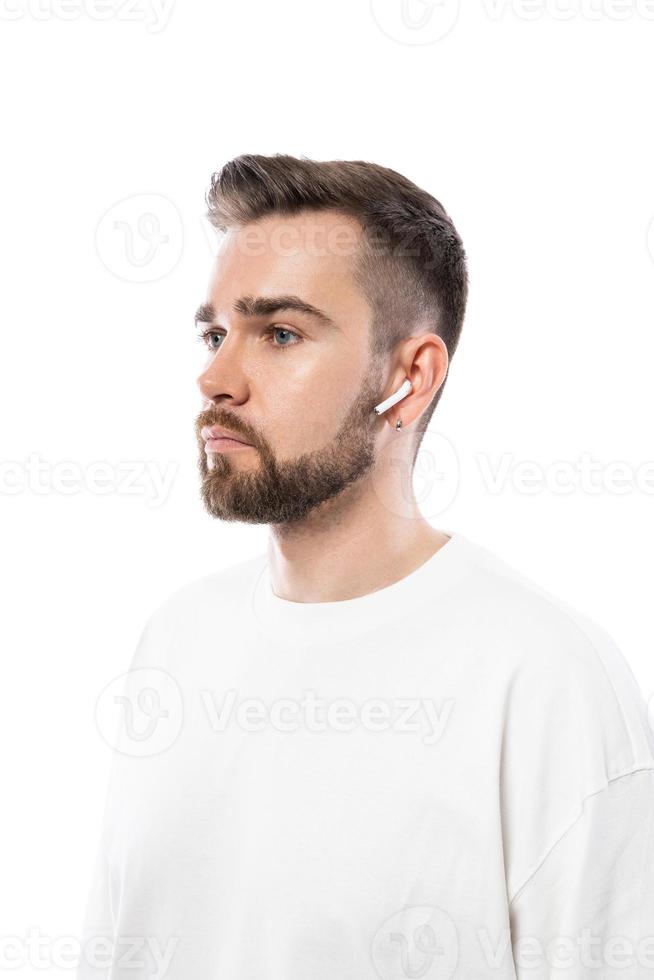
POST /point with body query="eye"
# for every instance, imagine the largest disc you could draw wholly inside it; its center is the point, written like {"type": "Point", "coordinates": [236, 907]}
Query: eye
{"type": "Point", "coordinates": [283, 330]}
{"type": "Point", "coordinates": [212, 339]}
{"type": "Point", "coordinates": [207, 338]}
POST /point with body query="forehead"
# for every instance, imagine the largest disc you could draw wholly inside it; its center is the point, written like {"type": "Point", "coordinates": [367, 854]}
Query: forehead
{"type": "Point", "coordinates": [311, 254]}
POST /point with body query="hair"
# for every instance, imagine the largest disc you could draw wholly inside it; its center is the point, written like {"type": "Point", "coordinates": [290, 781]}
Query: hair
{"type": "Point", "coordinates": [411, 266]}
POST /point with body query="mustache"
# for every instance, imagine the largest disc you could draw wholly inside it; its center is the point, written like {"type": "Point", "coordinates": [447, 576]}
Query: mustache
{"type": "Point", "coordinates": [212, 417]}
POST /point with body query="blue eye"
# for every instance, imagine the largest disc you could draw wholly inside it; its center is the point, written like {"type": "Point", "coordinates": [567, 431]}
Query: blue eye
{"type": "Point", "coordinates": [291, 333]}
{"type": "Point", "coordinates": [207, 337]}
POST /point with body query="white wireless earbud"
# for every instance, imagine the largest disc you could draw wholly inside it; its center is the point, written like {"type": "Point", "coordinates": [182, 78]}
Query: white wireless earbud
{"type": "Point", "coordinates": [401, 393]}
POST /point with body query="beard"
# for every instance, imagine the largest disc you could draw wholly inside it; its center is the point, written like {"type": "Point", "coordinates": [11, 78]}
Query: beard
{"type": "Point", "coordinates": [284, 492]}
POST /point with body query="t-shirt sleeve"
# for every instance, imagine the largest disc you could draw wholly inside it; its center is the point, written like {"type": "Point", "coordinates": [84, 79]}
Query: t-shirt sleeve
{"type": "Point", "coordinates": [98, 935]}
{"type": "Point", "coordinates": [577, 801]}
{"type": "Point", "coordinates": [588, 909]}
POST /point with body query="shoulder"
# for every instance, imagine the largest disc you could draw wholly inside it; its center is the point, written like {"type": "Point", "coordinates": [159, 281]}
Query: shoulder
{"type": "Point", "coordinates": [562, 667]}
{"type": "Point", "coordinates": [197, 608]}
{"type": "Point", "coordinates": [574, 721]}
{"type": "Point", "coordinates": [215, 588]}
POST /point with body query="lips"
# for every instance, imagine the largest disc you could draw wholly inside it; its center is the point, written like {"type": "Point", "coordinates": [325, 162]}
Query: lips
{"type": "Point", "coordinates": [218, 432]}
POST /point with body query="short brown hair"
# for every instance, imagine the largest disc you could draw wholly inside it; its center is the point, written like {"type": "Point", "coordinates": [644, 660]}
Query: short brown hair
{"type": "Point", "coordinates": [412, 266]}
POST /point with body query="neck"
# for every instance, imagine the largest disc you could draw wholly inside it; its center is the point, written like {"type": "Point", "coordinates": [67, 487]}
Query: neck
{"type": "Point", "coordinates": [351, 545]}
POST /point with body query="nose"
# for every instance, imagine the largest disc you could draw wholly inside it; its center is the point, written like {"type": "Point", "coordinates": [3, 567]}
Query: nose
{"type": "Point", "coordinates": [223, 377]}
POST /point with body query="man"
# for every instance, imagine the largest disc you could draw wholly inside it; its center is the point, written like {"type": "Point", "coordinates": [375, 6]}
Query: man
{"type": "Point", "coordinates": [376, 750]}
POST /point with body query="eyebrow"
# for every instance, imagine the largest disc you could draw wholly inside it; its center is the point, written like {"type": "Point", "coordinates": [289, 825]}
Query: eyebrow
{"type": "Point", "coordinates": [253, 306]}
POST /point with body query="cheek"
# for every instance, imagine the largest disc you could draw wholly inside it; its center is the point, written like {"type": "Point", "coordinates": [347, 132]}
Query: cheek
{"type": "Point", "coordinates": [303, 405]}
{"type": "Point", "coordinates": [302, 416]}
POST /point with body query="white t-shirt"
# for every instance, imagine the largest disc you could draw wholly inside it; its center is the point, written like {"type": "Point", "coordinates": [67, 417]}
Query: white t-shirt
{"type": "Point", "coordinates": [452, 776]}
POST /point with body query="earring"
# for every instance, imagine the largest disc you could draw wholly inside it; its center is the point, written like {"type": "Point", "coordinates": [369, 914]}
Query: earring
{"type": "Point", "coordinates": [398, 424]}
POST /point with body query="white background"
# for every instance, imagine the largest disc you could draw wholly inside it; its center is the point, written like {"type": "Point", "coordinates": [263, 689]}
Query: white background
{"type": "Point", "coordinates": [530, 121]}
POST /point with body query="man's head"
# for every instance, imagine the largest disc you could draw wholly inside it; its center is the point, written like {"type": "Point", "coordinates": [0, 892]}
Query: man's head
{"type": "Point", "coordinates": [334, 281]}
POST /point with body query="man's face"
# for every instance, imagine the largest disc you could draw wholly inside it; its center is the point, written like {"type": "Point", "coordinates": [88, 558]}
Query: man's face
{"type": "Point", "coordinates": [297, 386]}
